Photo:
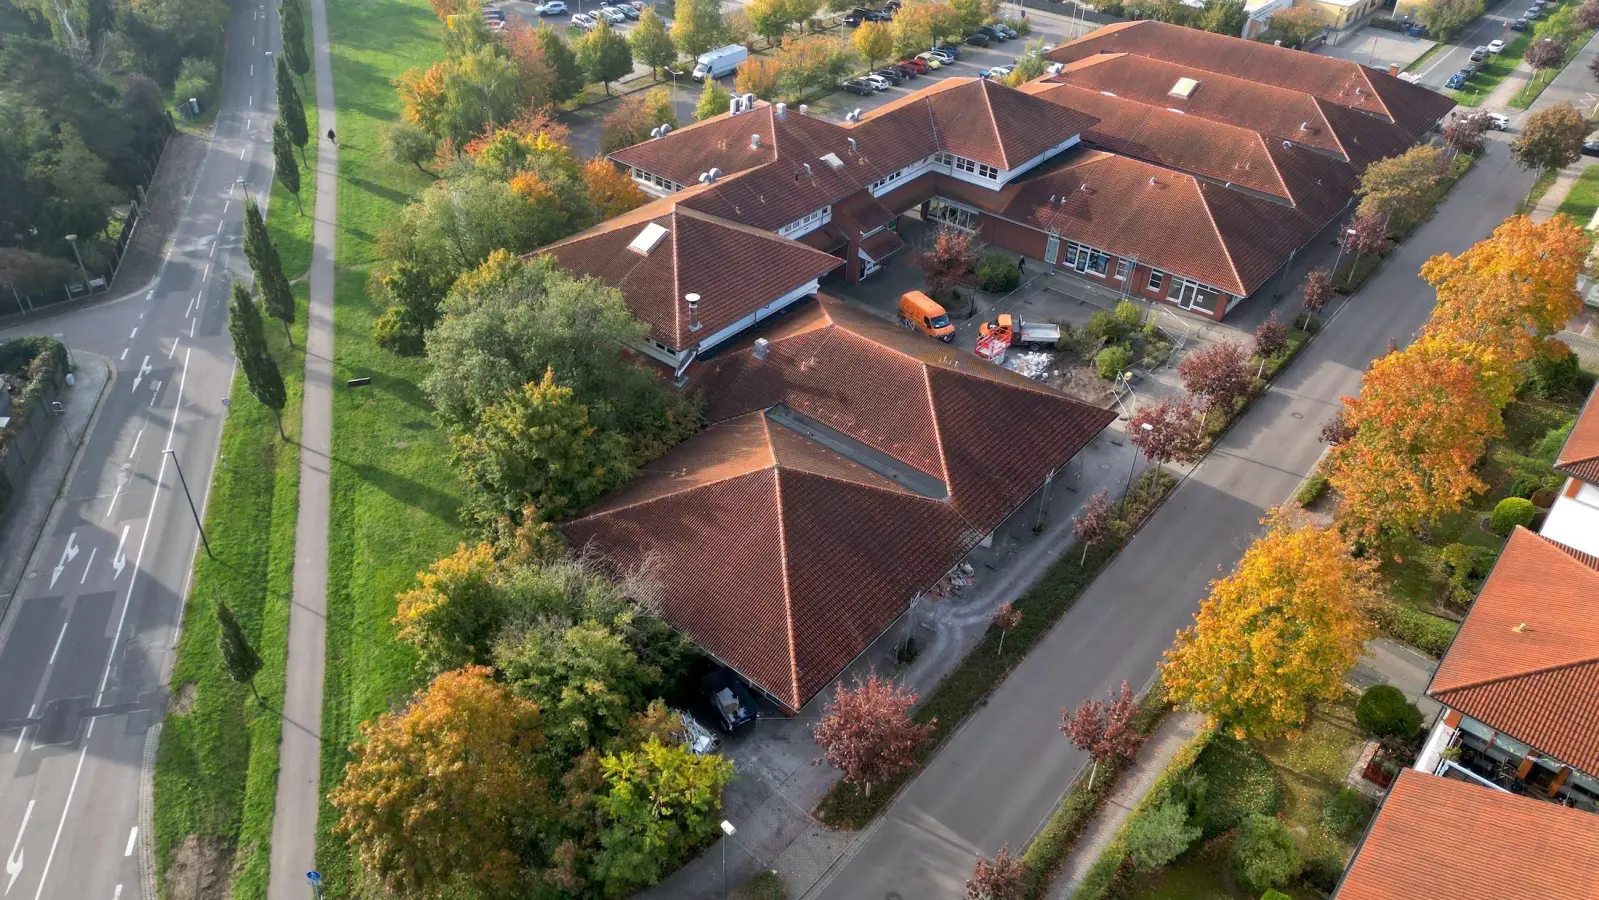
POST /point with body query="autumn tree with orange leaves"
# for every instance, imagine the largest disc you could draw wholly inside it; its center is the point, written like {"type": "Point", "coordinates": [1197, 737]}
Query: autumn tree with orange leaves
{"type": "Point", "coordinates": [1507, 295]}
{"type": "Point", "coordinates": [610, 191]}
{"type": "Point", "coordinates": [1278, 634]}
{"type": "Point", "coordinates": [1423, 418]}
{"type": "Point", "coordinates": [447, 791]}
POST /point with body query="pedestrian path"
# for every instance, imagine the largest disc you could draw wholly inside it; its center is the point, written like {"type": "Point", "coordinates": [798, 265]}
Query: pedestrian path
{"type": "Point", "coordinates": [300, 755]}
{"type": "Point", "coordinates": [1550, 202]}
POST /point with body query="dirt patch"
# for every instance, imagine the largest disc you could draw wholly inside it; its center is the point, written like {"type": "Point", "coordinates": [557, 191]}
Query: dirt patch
{"type": "Point", "coordinates": [183, 700]}
{"type": "Point", "coordinates": [1083, 383]}
{"type": "Point", "coordinates": [198, 870]}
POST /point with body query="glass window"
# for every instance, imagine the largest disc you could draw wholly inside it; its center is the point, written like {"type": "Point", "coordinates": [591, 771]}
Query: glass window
{"type": "Point", "coordinates": [1121, 270]}
{"type": "Point", "coordinates": [1155, 278]}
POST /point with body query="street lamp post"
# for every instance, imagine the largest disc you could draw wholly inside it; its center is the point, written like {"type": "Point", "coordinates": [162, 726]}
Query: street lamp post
{"type": "Point", "coordinates": [728, 830]}
{"type": "Point", "coordinates": [1342, 241]}
{"type": "Point", "coordinates": [73, 240]}
{"type": "Point", "coordinates": [1133, 464]}
{"type": "Point", "coordinates": [192, 510]}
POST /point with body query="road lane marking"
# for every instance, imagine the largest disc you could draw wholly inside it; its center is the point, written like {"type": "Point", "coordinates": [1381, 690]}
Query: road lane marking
{"type": "Point", "coordinates": [120, 560]}
{"type": "Point", "coordinates": [68, 554]}
{"type": "Point", "coordinates": [124, 353]}
{"type": "Point", "coordinates": [14, 861]}
{"type": "Point", "coordinates": [133, 334]}
{"type": "Point", "coordinates": [144, 369]}
{"type": "Point", "coordinates": [132, 836]}
{"type": "Point", "coordinates": [57, 648]}
{"type": "Point", "coordinates": [192, 323]}
{"type": "Point", "coordinates": [189, 310]}
{"type": "Point", "coordinates": [64, 809]}
{"type": "Point", "coordinates": [213, 250]}
{"type": "Point", "coordinates": [136, 442]}
{"type": "Point", "coordinates": [117, 894]}
{"type": "Point", "coordinates": [250, 100]}
{"type": "Point", "coordinates": [86, 567]}
{"type": "Point", "coordinates": [174, 348]}
{"type": "Point", "coordinates": [207, 272]}
{"type": "Point", "coordinates": [225, 205]}
{"type": "Point", "coordinates": [252, 70]}
{"type": "Point", "coordinates": [220, 222]}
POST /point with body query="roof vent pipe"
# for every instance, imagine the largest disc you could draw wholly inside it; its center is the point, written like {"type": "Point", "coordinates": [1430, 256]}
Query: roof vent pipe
{"type": "Point", "coordinates": [853, 146]}
{"type": "Point", "coordinates": [749, 101]}
{"type": "Point", "coordinates": [666, 130]}
{"type": "Point", "coordinates": [807, 168]}
{"type": "Point", "coordinates": [755, 142]}
{"type": "Point", "coordinates": [1304, 126]}
{"type": "Point", "coordinates": [655, 132]}
{"type": "Point", "coordinates": [804, 110]}
{"type": "Point", "coordinates": [693, 301]}
{"type": "Point", "coordinates": [715, 173]}
{"type": "Point", "coordinates": [782, 110]}
{"type": "Point", "coordinates": [1152, 181]}
{"type": "Point", "coordinates": [761, 345]}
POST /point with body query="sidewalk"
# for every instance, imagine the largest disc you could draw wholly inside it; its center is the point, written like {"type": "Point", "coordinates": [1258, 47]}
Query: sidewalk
{"type": "Point", "coordinates": [1546, 206]}
{"type": "Point", "coordinates": [1172, 735]}
{"type": "Point", "coordinates": [33, 504]}
{"type": "Point", "coordinates": [300, 754]}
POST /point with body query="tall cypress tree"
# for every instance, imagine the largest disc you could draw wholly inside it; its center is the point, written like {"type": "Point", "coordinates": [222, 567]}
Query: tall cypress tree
{"type": "Point", "coordinates": [293, 22]}
{"type": "Point", "coordinates": [239, 659]}
{"type": "Point", "coordinates": [261, 373]}
{"type": "Point", "coordinates": [286, 167]}
{"type": "Point", "coordinates": [290, 111]}
{"type": "Point", "coordinates": [276, 295]}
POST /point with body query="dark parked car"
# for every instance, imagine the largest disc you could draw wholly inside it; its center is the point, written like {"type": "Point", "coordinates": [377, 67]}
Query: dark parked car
{"type": "Point", "coordinates": [994, 32]}
{"type": "Point", "coordinates": [1519, 25]}
{"type": "Point", "coordinates": [904, 70]}
{"type": "Point", "coordinates": [857, 86]}
{"type": "Point", "coordinates": [1590, 148]}
{"type": "Point", "coordinates": [856, 16]}
{"type": "Point", "coordinates": [879, 15]}
{"type": "Point", "coordinates": [978, 39]}
{"type": "Point", "coordinates": [892, 74]}
{"type": "Point", "coordinates": [1455, 82]}
{"type": "Point", "coordinates": [729, 698]}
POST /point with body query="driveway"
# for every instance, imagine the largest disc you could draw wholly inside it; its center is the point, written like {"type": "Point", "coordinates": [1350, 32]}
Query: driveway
{"type": "Point", "coordinates": [999, 777]}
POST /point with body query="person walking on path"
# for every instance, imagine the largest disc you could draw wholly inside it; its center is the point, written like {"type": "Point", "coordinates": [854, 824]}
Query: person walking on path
{"type": "Point", "coordinates": [332, 138]}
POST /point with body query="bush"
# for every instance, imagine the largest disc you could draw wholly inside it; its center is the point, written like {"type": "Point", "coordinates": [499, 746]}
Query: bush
{"type": "Point", "coordinates": [997, 273]}
{"type": "Point", "coordinates": [1314, 487]}
{"type": "Point", "coordinates": [1105, 327]}
{"type": "Point", "coordinates": [196, 78]}
{"type": "Point", "coordinates": [1384, 711]}
{"type": "Point", "coordinates": [1510, 512]}
{"type": "Point", "coordinates": [1129, 315]}
{"type": "Point", "coordinates": [1464, 563]}
{"type": "Point", "coordinates": [1159, 836]}
{"type": "Point", "coordinates": [1548, 446]}
{"type": "Point", "coordinates": [1275, 895]}
{"type": "Point", "coordinates": [1535, 477]}
{"type": "Point", "coordinates": [767, 885]}
{"type": "Point", "coordinates": [1347, 813]}
{"type": "Point", "coordinates": [1555, 379]}
{"type": "Point", "coordinates": [1264, 855]}
{"type": "Point", "coordinates": [1241, 783]}
{"type": "Point", "coordinates": [1112, 360]}
{"type": "Point", "coordinates": [1427, 633]}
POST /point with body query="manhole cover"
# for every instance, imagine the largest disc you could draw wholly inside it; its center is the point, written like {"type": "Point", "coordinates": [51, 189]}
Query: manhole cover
{"type": "Point", "coordinates": [1297, 415]}
{"type": "Point", "coordinates": [892, 896]}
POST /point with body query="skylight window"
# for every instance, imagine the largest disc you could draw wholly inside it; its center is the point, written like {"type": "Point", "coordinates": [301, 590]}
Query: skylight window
{"type": "Point", "coordinates": [647, 239]}
{"type": "Point", "coordinates": [1184, 88]}
{"type": "Point", "coordinates": [833, 160]}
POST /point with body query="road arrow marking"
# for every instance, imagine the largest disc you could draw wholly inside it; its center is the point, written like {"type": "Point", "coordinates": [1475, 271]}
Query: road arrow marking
{"type": "Point", "coordinates": [68, 554]}
{"type": "Point", "coordinates": [144, 369]}
{"type": "Point", "coordinates": [119, 561]}
{"type": "Point", "coordinates": [14, 861]}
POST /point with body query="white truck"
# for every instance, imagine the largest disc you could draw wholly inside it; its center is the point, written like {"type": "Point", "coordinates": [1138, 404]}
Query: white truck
{"type": "Point", "coordinates": [722, 61]}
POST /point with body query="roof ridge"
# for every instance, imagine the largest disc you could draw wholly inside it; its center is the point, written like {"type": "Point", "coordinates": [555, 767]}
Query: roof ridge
{"type": "Point", "coordinates": [1365, 73]}
{"type": "Point", "coordinates": [1590, 404]}
{"type": "Point", "coordinates": [667, 496]}
{"type": "Point", "coordinates": [1226, 250]}
{"type": "Point", "coordinates": [985, 88]}
{"type": "Point", "coordinates": [788, 593]}
{"type": "Point", "coordinates": [1518, 676]}
{"type": "Point", "coordinates": [677, 294]}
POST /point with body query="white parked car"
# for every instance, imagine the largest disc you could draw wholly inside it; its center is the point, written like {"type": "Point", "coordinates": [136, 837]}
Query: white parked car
{"type": "Point", "coordinates": [552, 8]}
{"type": "Point", "coordinates": [1496, 46]}
{"type": "Point", "coordinates": [877, 81]}
{"type": "Point", "coordinates": [612, 14]}
{"type": "Point", "coordinates": [583, 21]}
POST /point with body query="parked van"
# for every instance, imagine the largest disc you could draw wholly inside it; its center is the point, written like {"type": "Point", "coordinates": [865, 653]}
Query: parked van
{"type": "Point", "coordinates": [719, 62]}
{"type": "Point", "coordinates": [923, 313]}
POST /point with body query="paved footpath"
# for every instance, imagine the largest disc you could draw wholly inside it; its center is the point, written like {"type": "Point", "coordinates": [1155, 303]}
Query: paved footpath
{"type": "Point", "coordinates": [300, 755]}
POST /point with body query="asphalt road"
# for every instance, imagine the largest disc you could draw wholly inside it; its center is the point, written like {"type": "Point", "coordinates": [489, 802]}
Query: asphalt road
{"type": "Point", "coordinates": [86, 645]}
{"type": "Point", "coordinates": [1001, 775]}
{"type": "Point", "coordinates": [1494, 24]}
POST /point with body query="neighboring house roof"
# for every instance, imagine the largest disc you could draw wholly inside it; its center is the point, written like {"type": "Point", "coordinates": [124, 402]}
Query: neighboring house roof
{"type": "Point", "coordinates": [1579, 456]}
{"type": "Point", "coordinates": [848, 470]}
{"type": "Point", "coordinates": [1526, 659]}
{"type": "Point", "coordinates": [734, 268]}
{"type": "Point", "coordinates": [998, 125]}
{"type": "Point", "coordinates": [1437, 837]}
{"type": "Point", "coordinates": [1341, 82]}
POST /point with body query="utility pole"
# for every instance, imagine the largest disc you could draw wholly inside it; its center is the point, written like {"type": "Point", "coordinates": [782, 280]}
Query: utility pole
{"type": "Point", "coordinates": [196, 513]}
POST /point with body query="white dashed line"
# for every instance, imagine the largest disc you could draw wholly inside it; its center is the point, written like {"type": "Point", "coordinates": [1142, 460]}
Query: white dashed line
{"type": "Point", "coordinates": [192, 323]}
{"type": "Point", "coordinates": [87, 565]}
{"type": "Point", "coordinates": [132, 836]}
{"type": "Point", "coordinates": [133, 334]}
{"type": "Point", "coordinates": [59, 635]}
{"type": "Point", "coordinates": [124, 352]}
{"type": "Point", "coordinates": [174, 348]}
{"type": "Point", "coordinates": [136, 442]}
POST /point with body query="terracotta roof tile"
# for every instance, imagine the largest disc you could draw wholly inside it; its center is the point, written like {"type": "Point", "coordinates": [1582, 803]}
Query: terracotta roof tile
{"type": "Point", "coordinates": [880, 245]}
{"type": "Point", "coordinates": [1579, 457]}
{"type": "Point", "coordinates": [1437, 837]}
{"type": "Point", "coordinates": [1526, 659]}
{"type": "Point", "coordinates": [734, 268]}
{"type": "Point", "coordinates": [1000, 126]}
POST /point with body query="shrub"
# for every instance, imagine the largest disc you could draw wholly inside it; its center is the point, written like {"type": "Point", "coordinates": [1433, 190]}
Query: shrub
{"type": "Point", "coordinates": [1314, 487]}
{"type": "Point", "coordinates": [1105, 327]}
{"type": "Point", "coordinates": [1347, 813]}
{"type": "Point", "coordinates": [1241, 783]}
{"type": "Point", "coordinates": [997, 273]}
{"type": "Point", "coordinates": [1275, 895]}
{"type": "Point", "coordinates": [1159, 836]}
{"type": "Point", "coordinates": [1129, 315]}
{"type": "Point", "coordinates": [1464, 563]}
{"type": "Point", "coordinates": [1384, 711]}
{"type": "Point", "coordinates": [1264, 855]}
{"type": "Point", "coordinates": [196, 78]}
{"type": "Point", "coordinates": [1555, 379]}
{"type": "Point", "coordinates": [1530, 479]}
{"type": "Point", "coordinates": [1548, 446]}
{"type": "Point", "coordinates": [1426, 632]}
{"type": "Point", "coordinates": [766, 885]}
{"type": "Point", "coordinates": [1112, 360]}
{"type": "Point", "coordinates": [1510, 512]}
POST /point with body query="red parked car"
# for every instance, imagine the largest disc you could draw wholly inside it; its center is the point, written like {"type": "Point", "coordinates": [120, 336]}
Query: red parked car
{"type": "Point", "coordinates": [915, 65]}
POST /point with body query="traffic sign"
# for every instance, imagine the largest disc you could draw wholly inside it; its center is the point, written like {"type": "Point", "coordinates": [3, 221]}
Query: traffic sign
{"type": "Point", "coordinates": [314, 877]}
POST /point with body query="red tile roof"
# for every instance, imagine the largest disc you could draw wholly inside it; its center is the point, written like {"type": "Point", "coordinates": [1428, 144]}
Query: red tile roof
{"type": "Point", "coordinates": [1526, 660]}
{"type": "Point", "coordinates": [1437, 837]}
{"type": "Point", "coordinates": [1579, 457]}
{"type": "Point", "coordinates": [881, 244]}
{"type": "Point", "coordinates": [1344, 83]}
{"type": "Point", "coordinates": [1003, 127]}
{"type": "Point", "coordinates": [786, 559]}
{"type": "Point", "coordinates": [734, 268]}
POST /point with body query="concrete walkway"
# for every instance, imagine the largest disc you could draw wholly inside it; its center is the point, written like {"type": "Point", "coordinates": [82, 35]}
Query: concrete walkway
{"type": "Point", "coordinates": [1172, 734]}
{"type": "Point", "coordinates": [300, 755]}
{"type": "Point", "coordinates": [1545, 208]}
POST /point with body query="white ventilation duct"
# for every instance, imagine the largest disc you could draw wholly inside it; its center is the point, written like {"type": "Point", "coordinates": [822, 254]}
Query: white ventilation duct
{"type": "Point", "coordinates": [853, 147]}
{"type": "Point", "coordinates": [666, 129]}
{"type": "Point", "coordinates": [715, 173]}
{"type": "Point", "coordinates": [761, 345]}
{"type": "Point", "coordinates": [655, 132]}
{"type": "Point", "coordinates": [755, 142]}
{"type": "Point", "coordinates": [782, 110]}
{"type": "Point", "coordinates": [693, 302]}
{"type": "Point", "coordinates": [749, 101]}
{"type": "Point", "coordinates": [804, 110]}
{"type": "Point", "coordinates": [807, 168]}
{"type": "Point", "coordinates": [734, 105]}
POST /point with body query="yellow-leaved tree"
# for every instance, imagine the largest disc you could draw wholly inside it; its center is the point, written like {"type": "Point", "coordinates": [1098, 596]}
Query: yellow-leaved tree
{"type": "Point", "coordinates": [1277, 634]}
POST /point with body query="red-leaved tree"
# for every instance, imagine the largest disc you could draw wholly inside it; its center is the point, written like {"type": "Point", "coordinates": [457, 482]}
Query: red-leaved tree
{"type": "Point", "coordinates": [867, 732]}
{"type": "Point", "coordinates": [1001, 879]}
{"type": "Point", "coordinates": [1337, 430]}
{"type": "Point", "coordinates": [1587, 16]}
{"type": "Point", "coordinates": [1006, 618]}
{"type": "Point", "coordinates": [946, 260]}
{"type": "Point", "coordinates": [1095, 522]}
{"type": "Point", "coordinates": [1547, 53]}
{"type": "Point", "coordinates": [1174, 432]}
{"type": "Point", "coordinates": [1270, 336]}
{"type": "Point", "coordinates": [1465, 134]}
{"type": "Point", "coordinates": [1318, 289]}
{"type": "Point", "coordinates": [1105, 731]}
{"type": "Point", "coordinates": [1217, 374]}
{"type": "Point", "coordinates": [1370, 236]}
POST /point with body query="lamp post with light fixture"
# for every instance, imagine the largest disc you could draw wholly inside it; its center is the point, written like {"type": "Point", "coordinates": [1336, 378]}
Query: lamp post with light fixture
{"type": "Point", "coordinates": [728, 831]}
{"type": "Point", "coordinates": [1146, 427]}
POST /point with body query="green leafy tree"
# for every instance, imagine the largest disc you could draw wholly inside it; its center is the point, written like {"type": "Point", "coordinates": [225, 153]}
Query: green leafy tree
{"type": "Point", "coordinates": [697, 26]}
{"type": "Point", "coordinates": [1224, 17]}
{"type": "Point", "coordinates": [292, 17]}
{"type": "Point", "coordinates": [714, 100]}
{"type": "Point", "coordinates": [971, 13]}
{"type": "Point", "coordinates": [482, 88]}
{"type": "Point", "coordinates": [1550, 139]}
{"type": "Point", "coordinates": [652, 42]}
{"type": "Point", "coordinates": [538, 446]}
{"type": "Point", "coordinates": [1029, 65]}
{"type": "Point", "coordinates": [411, 295]}
{"type": "Point", "coordinates": [453, 612]}
{"type": "Point", "coordinates": [239, 659]}
{"type": "Point", "coordinates": [407, 144]}
{"type": "Point", "coordinates": [604, 55]}
{"type": "Point", "coordinates": [1264, 855]}
{"type": "Point", "coordinates": [1399, 190]}
{"type": "Point", "coordinates": [276, 294]}
{"type": "Point", "coordinates": [1160, 835]}
{"type": "Point", "coordinates": [261, 374]}
{"type": "Point", "coordinates": [660, 802]}
{"type": "Point", "coordinates": [285, 167]}
{"type": "Point", "coordinates": [585, 678]}
{"type": "Point", "coordinates": [769, 19]}
{"type": "Point", "coordinates": [568, 75]}
{"type": "Point", "coordinates": [1444, 18]}
{"type": "Point", "coordinates": [290, 111]}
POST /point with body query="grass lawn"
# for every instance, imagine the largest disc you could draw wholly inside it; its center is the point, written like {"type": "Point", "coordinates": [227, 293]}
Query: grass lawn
{"type": "Point", "coordinates": [1540, 80]}
{"type": "Point", "coordinates": [1494, 70]}
{"type": "Point", "coordinates": [394, 497]}
{"type": "Point", "coordinates": [216, 771]}
{"type": "Point", "coordinates": [1583, 201]}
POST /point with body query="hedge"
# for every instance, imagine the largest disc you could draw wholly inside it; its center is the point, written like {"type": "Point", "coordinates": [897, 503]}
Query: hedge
{"type": "Point", "coordinates": [1424, 631]}
{"type": "Point", "coordinates": [41, 360]}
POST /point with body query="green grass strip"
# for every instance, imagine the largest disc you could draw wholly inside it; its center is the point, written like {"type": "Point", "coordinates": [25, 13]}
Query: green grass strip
{"type": "Point", "coordinates": [216, 770]}
{"type": "Point", "coordinates": [1540, 80]}
{"type": "Point", "coordinates": [1495, 69]}
{"type": "Point", "coordinates": [1583, 201]}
